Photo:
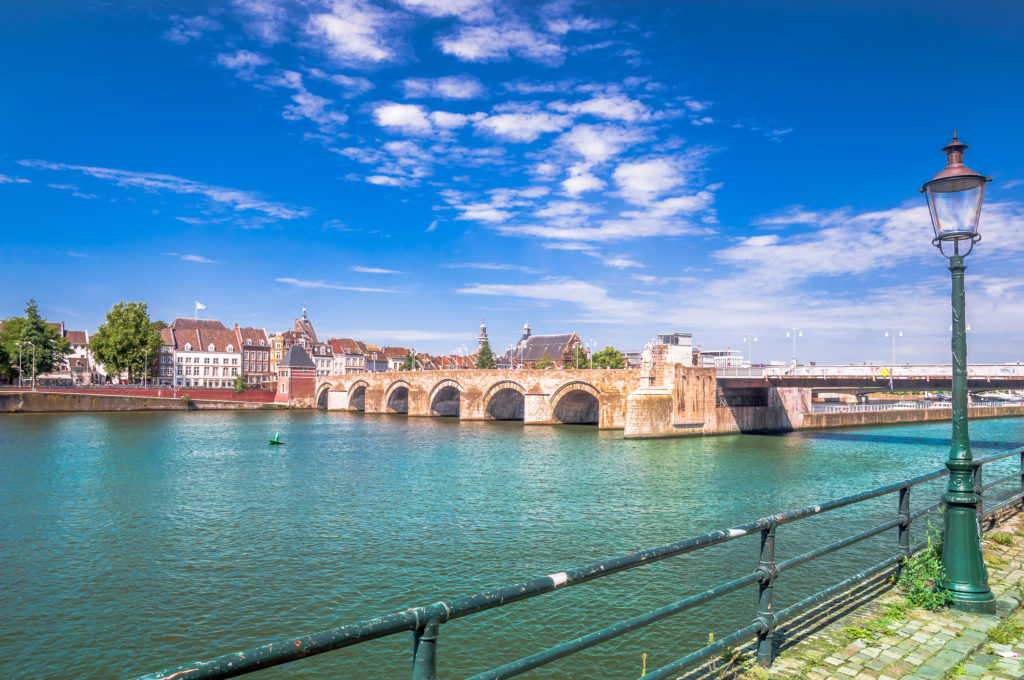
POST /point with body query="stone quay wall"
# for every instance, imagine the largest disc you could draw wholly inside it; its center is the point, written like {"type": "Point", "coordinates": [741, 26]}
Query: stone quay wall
{"type": "Point", "coordinates": [55, 402]}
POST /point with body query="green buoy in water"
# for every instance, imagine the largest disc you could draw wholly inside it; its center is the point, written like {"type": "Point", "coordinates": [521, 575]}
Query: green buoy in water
{"type": "Point", "coordinates": [276, 441]}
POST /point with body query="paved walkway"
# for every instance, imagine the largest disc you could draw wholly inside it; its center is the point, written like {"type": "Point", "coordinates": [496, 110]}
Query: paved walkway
{"type": "Point", "coordinates": [871, 634]}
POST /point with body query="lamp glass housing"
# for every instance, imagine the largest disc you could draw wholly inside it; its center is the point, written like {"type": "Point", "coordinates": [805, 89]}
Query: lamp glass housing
{"type": "Point", "coordinates": [955, 206]}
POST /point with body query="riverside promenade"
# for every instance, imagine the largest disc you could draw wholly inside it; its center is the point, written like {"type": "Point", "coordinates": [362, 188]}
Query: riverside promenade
{"type": "Point", "coordinates": [870, 634]}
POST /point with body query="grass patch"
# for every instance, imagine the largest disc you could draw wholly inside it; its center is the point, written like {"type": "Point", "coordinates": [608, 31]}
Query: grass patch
{"type": "Point", "coordinates": [1000, 538]}
{"type": "Point", "coordinates": [995, 561]}
{"type": "Point", "coordinates": [922, 573]}
{"type": "Point", "coordinates": [1008, 630]}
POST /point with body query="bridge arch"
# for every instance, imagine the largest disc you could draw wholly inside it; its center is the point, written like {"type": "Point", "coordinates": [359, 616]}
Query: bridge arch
{"type": "Point", "coordinates": [357, 395]}
{"type": "Point", "coordinates": [576, 403]}
{"type": "Point", "coordinates": [321, 394]}
{"type": "Point", "coordinates": [505, 400]}
{"type": "Point", "coordinates": [445, 398]}
{"type": "Point", "coordinates": [396, 397]}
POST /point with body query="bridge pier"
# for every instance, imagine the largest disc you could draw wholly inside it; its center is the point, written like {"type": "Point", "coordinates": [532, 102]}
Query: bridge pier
{"type": "Point", "coordinates": [337, 400]}
{"type": "Point", "coordinates": [538, 410]}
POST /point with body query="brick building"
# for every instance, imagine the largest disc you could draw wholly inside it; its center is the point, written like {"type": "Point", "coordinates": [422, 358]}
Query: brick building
{"type": "Point", "coordinates": [296, 378]}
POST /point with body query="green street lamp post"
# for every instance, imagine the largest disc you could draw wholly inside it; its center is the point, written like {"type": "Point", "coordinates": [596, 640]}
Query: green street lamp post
{"type": "Point", "coordinates": [954, 200]}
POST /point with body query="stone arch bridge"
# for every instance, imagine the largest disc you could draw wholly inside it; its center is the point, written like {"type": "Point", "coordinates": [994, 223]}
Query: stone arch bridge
{"type": "Point", "coordinates": [588, 396]}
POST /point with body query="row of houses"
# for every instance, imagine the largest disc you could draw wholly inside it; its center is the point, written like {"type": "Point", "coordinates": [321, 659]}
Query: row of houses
{"type": "Point", "coordinates": [206, 353]}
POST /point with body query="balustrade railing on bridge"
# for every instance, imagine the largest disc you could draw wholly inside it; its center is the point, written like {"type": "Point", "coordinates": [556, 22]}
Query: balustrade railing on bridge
{"type": "Point", "coordinates": [426, 622]}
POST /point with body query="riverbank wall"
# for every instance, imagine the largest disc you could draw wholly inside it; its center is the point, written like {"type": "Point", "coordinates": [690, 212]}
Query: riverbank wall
{"type": "Point", "coordinates": [816, 421]}
{"type": "Point", "coordinates": [56, 402]}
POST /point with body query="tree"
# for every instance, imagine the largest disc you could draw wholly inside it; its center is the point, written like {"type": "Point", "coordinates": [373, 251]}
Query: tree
{"type": "Point", "coordinates": [240, 383]}
{"type": "Point", "coordinates": [42, 346]}
{"type": "Point", "coordinates": [579, 357]}
{"type": "Point", "coordinates": [160, 325]}
{"type": "Point", "coordinates": [410, 363]}
{"type": "Point", "coordinates": [126, 340]}
{"type": "Point", "coordinates": [609, 357]}
{"type": "Point", "coordinates": [545, 361]}
{"type": "Point", "coordinates": [485, 357]}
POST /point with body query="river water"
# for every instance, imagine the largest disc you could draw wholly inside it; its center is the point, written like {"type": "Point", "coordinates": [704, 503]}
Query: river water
{"type": "Point", "coordinates": [130, 542]}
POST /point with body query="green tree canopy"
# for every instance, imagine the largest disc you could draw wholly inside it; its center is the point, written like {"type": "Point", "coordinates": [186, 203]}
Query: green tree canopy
{"type": "Point", "coordinates": [122, 341]}
{"type": "Point", "coordinates": [579, 357]}
{"type": "Point", "coordinates": [609, 357]}
{"type": "Point", "coordinates": [240, 383]}
{"type": "Point", "coordinates": [485, 357]}
{"type": "Point", "coordinates": [410, 363]}
{"type": "Point", "coordinates": [545, 361]}
{"type": "Point", "coordinates": [160, 325]}
{"type": "Point", "coordinates": [41, 344]}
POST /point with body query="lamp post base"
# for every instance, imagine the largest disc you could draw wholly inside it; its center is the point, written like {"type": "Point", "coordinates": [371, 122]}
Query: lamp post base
{"type": "Point", "coordinates": [966, 575]}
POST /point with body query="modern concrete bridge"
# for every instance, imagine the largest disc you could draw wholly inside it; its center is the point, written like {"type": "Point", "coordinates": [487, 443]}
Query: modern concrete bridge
{"type": "Point", "coordinates": [876, 377]}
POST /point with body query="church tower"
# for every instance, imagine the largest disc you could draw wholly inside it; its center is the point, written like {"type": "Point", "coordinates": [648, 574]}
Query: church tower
{"type": "Point", "coordinates": [482, 338]}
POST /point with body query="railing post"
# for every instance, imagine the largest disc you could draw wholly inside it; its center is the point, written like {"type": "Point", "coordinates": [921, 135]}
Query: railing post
{"type": "Point", "coordinates": [424, 651]}
{"type": "Point", "coordinates": [976, 478]}
{"type": "Point", "coordinates": [1022, 478]}
{"type": "Point", "coordinates": [768, 571]}
{"type": "Point", "coordinates": [903, 540]}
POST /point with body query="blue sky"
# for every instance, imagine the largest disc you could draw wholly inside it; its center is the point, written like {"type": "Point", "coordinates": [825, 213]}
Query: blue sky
{"type": "Point", "coordinates": [617, 169]}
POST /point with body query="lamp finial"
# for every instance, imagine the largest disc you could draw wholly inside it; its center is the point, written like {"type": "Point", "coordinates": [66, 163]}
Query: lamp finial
{"type": "Point", "coordinates": [954, 136]}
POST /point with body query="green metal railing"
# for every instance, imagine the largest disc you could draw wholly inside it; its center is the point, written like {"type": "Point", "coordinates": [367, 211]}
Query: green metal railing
{"type": "Point", "coordinates": [425, 622]}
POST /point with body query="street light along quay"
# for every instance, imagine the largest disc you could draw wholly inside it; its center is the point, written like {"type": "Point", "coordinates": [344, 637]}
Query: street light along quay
{"type": "Point", "coordinates": [954, 198]}
{"type": "Point", "coordinates": [894, 332]}
{"type": "Point", "coordinates": [750, 339]}
{"type": "Point", "coordinates": [794, 333]}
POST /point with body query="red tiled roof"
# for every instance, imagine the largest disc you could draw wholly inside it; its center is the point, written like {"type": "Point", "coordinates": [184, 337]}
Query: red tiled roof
{"type": "Point", "coordinates": [250, 336]}
{"type": "Point", "coordinates": [167, 336]}
{"type": "Point", "coordinates": [395, 352]}
{"type": "Point", "coordinates": [76, 337]}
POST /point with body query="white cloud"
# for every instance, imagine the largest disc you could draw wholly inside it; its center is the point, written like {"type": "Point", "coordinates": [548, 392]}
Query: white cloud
{"type": "Point", "coordinates": [593, 300]}
{"type": "Point", "coordinates": [610, 107]}
{"type": "Point", "coordinates": [641, 182]}
{"type": "Point", "coordinates": [598, 143]}
{"type": "Point", "coordinates": [236, 199]}
{"type": "Point", "coordinates": [306, 105]}
{"type": "Point", "coordinates": [410, 335]}
{"type": "Point", "coordinates": [523, 125]}
{"type": "Point", "coordinates": [4, 179]}
{"type": "Point", "coordinates": [72, 253]}
{"type": "Point", "coordinates": [187, 29]}
{"type": "Point", "coordinates": [581, 183]}
{"type": "Point", "coordinates": [385, 180]}
{"type": "Point", "coordinates": [300, 283]}
{"type": "Point", "coordinates": [406, 118]}
{"type": "Point", "coordinates": [265, 20]}
{"type": "Point", "coordinates": [353, 85]}
{"type": "Point", "coordinates": [499, 42]}
{"type": "Point", "coordinates": [447, 87]}
{"type": "Point", "coordinates": [375, 270]}
{"type": "Point", "coordinates": [243, 63]}
{"type": "Point", "coordinates": [448, 121]}
{"type": "Point", "coordinates": [464, 10]}
{"type": "Point", "coordinates": [197, 258]}
{"type": "Point", "coordinates": [355, 32]}
{"type": "Point", "coordinates": [622, 262]}
{"type": "Point", "coordinates": [491, 266]}
{"type": "Point", "coordinates": [703, 120]}
{"type": "Point", "coordinates": [432, 226]}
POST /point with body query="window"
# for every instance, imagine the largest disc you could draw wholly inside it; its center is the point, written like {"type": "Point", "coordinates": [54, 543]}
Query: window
{"type": "Point", "coordinates": [210, 348]}
{"type": "Point", "coordinates": [230, 348]}
{"type": "Point", "coordinates": [235, 361]}
{"type": "Point", "coordinates": [216, 371]}
{"type": "Point", "coordinates": [188, 346]}
{"type": "Point", "coordinates": [247, 341]}
{"type": "Point", "coordinates": [245, 354]}
{"type": "Point", "coordinates": [206, 370]}
{"type": "Point", "coordinates": [216, 360]}
{"type": "Point", "coordinates": [206, 360]}
{"type": "Point", "coordinates": [179, 370]}
{"type": "Point", "coordinates": [262, 343]}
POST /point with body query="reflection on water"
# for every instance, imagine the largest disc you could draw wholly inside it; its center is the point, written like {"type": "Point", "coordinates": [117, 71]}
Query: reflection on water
{"type": "Point", "coordinates": [134, 541]}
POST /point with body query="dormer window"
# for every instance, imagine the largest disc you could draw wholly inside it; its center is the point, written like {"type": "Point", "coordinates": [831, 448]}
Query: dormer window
{"type": "Point", "coordinates": [248, 341]}
{"type": "Point", "coordinates": [210, 348]}
{"type": "Point", "coordinates": [188, 346]}
{"type": "Point", "coordinates": [262, 343]}
{"type": "Point", "coordinates": [231, 348]}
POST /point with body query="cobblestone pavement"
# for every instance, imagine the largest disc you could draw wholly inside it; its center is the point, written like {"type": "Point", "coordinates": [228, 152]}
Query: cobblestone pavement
{"type": "Point", "coordinates": [879, 638]}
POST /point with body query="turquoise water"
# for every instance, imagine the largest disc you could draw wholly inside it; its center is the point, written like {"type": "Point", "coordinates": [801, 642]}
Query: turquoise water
{"type": "Point", "coordinates": [130, 542]}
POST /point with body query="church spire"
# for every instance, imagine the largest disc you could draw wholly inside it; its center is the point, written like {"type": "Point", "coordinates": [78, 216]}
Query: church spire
{"type": "Point", "coordinates": [482, 338]}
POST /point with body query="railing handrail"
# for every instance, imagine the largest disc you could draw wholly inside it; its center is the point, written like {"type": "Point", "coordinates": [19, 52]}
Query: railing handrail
{"type": "Point", "coordinates": [429, 617]}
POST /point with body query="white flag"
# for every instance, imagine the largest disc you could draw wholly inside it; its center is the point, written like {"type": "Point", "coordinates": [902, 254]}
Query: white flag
{"type": "Point", "coordinates": [200, 305]}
